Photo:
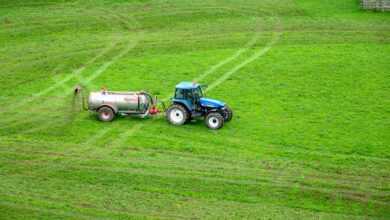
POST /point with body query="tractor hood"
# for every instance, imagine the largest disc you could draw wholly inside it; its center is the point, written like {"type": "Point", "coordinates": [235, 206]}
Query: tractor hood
{"type": "Point", "coordinates": [212, 103]}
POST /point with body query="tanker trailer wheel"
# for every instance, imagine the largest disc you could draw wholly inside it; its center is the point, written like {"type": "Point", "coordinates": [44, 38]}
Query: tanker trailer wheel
{"type": "Point", "coordinates": [214, 120]}
{"type": "Point", "coordinates": [177, 115]}
{"type": "Point", "coordinates": [227, 113]}
{"type": "Point", "coordinates": [106, 114]}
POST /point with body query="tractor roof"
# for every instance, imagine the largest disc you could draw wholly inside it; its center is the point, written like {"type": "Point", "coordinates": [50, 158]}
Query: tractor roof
{"type": "Point", "coordinates": [187, 85]}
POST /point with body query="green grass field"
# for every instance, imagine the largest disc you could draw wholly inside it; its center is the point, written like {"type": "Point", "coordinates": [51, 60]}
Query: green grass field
{"type": "Point", "coordinates": [309, 82]}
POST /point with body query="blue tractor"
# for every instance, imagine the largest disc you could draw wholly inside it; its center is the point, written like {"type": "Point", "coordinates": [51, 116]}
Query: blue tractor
{"type": "Point", "coordinates": [188, 103]}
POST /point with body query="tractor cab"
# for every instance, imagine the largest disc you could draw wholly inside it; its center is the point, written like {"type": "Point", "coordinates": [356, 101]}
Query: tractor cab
{"type": "Point", "coordinates": [189, 95]}
{"type": "Point", "coordinates": [189, 103]}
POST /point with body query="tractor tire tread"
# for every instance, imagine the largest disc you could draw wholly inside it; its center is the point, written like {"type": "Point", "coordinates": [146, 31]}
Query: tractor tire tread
{"type": "Point", "coordinates": [228, 113]}
{"type": "Point", "coordinates": [181, 108]}
{"type": "Point", "coordinates": [218, 116]}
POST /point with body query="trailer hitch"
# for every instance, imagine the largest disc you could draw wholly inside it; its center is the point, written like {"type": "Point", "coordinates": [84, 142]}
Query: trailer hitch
{"type": "Point", "coordinates": [154, 110]}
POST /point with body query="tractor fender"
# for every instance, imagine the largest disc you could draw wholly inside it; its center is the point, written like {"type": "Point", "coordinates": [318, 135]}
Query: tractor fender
{"type": "Point", "coordinates": [210, 110]}
{"type": "Point", "coordinates": [114, 109]}
{"type": "Point", "coordinates": [182, 104]}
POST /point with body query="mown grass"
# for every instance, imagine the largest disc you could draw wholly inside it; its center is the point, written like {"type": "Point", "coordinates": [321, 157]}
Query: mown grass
{"type": "Point", "coordinates": [309, 139]}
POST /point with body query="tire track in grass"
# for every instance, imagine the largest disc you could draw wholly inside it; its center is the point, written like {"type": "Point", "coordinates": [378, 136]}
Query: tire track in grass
{"type": "Point", "coordinates": [60, 84]}
{"type": "Point", "coordinates": [355, 196]}
{"type": "Point", "coordinates": [48, 24]}
{"type": "Point", "coordinates": [17, 120]}
{"type": "Point", "coordinates": [206, 166]}
{"type": "Point", "coordinates": [52, 200]}
{"type": "Point", "coordinates": [63, 81]}
{"type": "Point", "coordinates": [31, 4]}
{"type": "Point", "coordinates": [67, 53]}
{"type": "Point", "coordinates": [257, 55]}
{"type": "Point", "coordinates": [48, 209]}
{"type": "Point", "coordinates": [216, 159]}
{"type": "Point", "coordinates": [129, 45]}
{"type": "Point", "coordinates": [125, 135]}
{"type": "Point", "coordinates": [105, 66]}
{"type": "Point", "coordinates": [74, 73]}
{"type": "Point", "coordinates": [209, 176]}
{"type": "Point", "coordinates": [337, 187]}
{"type": "Point", "coordinates": [94, 138]}
{"type": "Point", "coordinates": [41, 78]}
{"type": "Point", "coordinates": [201, 8]}
{"type": "Point", "coordinates": [128, 171]}
{"type": "Point", "coordinates": [86, 81]}
{"type": "Point", "coordinates": [313, 152]}
{"type": "Point", "coordinates": [57, 212]}
{"type": "Point", "coordinates": [68, 91]}
{"type": "Point", "coordinates": [49, 57]}
{"type": "Point", "coordinates": [214, 68]}
{"type": "Point", "coordinates": [106, 211]}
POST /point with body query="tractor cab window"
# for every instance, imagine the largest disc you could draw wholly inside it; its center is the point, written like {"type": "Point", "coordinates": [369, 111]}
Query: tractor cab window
{"type": "Point", "coordinates": [191, 94]}
{"type": "Point", "coordinates": [179, 94]}
{"type": "Point", "coordinates": [183, 94]}
{"type": "Point", "coordinates": [198, 93]}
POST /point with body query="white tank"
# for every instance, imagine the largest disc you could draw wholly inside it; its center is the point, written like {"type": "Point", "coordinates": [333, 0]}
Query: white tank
{"type": "Point", "coordinates": [120, 102]}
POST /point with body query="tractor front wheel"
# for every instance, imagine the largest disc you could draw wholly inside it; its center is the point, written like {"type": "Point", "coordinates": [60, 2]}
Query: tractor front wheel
{"type": "Point", "coordinates": [177, 115]}
{"type": "Point", "coordinates": [214, 120]}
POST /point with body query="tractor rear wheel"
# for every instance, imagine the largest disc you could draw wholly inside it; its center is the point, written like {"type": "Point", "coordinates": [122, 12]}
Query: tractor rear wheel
{"type": "Point", "coordinates": [228, 113]}
{"type": "Point", "coordinates": [106, 114]}
{"type": "Point", "coordinates": [214, 120]}
{"type": "Point", "coordinates": [177, 115]}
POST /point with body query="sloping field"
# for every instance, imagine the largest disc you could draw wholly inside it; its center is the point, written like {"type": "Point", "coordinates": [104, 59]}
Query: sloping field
{"type": "Point", "coordinates": [309, 82]}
